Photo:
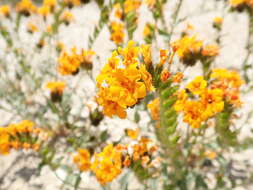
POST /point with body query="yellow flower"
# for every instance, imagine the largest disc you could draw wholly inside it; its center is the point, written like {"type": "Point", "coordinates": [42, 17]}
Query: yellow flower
{"type": "Point", "coordinates": [44, 11]}
{"type": "Point", "coordinates": [210, 154]}
{"type": "Point", "coordinates": [117, 32]}
{"type": "Point", "coordinates": [122, 83]}
{"type": "Point", "coordinates": [5, 10]}
{"type": "Point", "coordinates": [163, 56]}
{"type": "Point", "coordinates": [178, 77]}
{"type": "Point", "coordinates": [146, 53]}
{"type": "Point", "coordinates": [67, 17]}
{"type": "Point", "coordinates": [236, 3]}
{"type": "Point", "coordinates": [210, 50]}
{"type": "Point", "coordinates": [107, 165]}
{"type": "Point", "coordinates": [131, 5]}
{"type": "Point", "coordinates": [26, 7]}
{"type": "Point", "coordinates": [154, 108]}
{"type": "Point", "coordinates": [71, 3]}
{"type": "Point", "coordinates": [197, 86]}
{"type": "Point", "coordinates": [165, 75]}
{"type": "Point", "coordinates": [187, 48]}
{"type": "Point", "coordinates": [50, 3]}
{"type": "Point", "coordinates": [4, 141]}
{"type": "Point", "coordinates": [56, 87]}
{"type": "Point", "coordinates": [32, 28]}
{"type": "Point", "coordinates": [18, 135]}
{"type": "Point", "coordinates": [133, 134]}
{"type": "Point", "coordinates": [230, 82]}
{"type": "Point", "coordinates": [212, 100]}
{"type": "Point", "coordinates": [118, 11]}
{"type": "Point", "coordinates": [147, 30]}
{"type": "Point", "coordinates": [218, 21]}
{"type": "Point", "coordinates": [69, 62]}
{"type": "Point", "coordinates": [82, 159]}
{"type": "Point", "coordinates": [204, 105]}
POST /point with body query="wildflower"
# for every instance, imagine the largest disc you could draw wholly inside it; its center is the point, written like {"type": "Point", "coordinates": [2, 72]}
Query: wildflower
{"type": "Point", "coordinates": [18, 135]}
{"type": "Point", "coordinates": [32, 28]}
{"type": "Point", "coordinates": [127, 161]}
{"type": "Point", "coordinates": [178, 77]}
{"type": "Point", "coordinates": [205, 103]}
{"type": "Point", "coordinates": [217, 22]}
{"type": "Point", "coordinates": [44, 11]}
{"type": "Point", "coordinates": [107, 165]}
{"type": "Point", "coordinates": [86, 59]}
{"type": "Point", "coordinates": [210, 154]}
{"type": "Point", "coordinates": [165, 75]}
{"type": "Point", "coordinates": [131, 5]}
{"type": "Point", "coordinates": [154, 108]}
{"type": "Point", "coordinates": [56, 89]}
{"type": "Point", "coordinates": [210, 50]}
{"type": "Point", "coordinates": [146, 53]}
{"type": "Point", "coordinates": [122, 83]}
{"type": "Point", "coordinates": [69, 62]}
{"type": "Point", "coordinates": [67, 17]}
{"type": "Point", "coordinates": [147, 30]}
{"type": "Point", "coordinates": [163, 56]}
{"type": "Point", "coordinates": [50, 3]}
{"type": "Point", "coordinates": [230, 82]}
{"type": "Point", "coordinates": [133, 134]}
{"type": "Point", "coordinates": [197, 86]}
{"type": "Point", "coordinates": [5, 10]}
{"type": "Point", "coordinates": [236, 3]}
{"type": "Point", "coordinates": [4, 141]}
{"type": "Point", "coordinates": [188, 49]}
{"type": "Point", "coordinates": [118, 13]}
{"type": "Point", "coordinates": [117, 32]}
{"type": "Point", "coordinates": [71, 3]}
{"type": "Point", "coordinates": [82, 159]}
{"type": "Point", "coordinates": [26, 7]}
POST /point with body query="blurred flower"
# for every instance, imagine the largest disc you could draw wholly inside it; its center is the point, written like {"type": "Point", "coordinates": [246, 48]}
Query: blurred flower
{"type": "Point", "coordinates": [5, 10]}
{"type": "Point", "coordinates": [67, 17]}
{"type": "Point", "coordinates": [117, 32]}
{"type": "Point", "coordinates": [131, 5]}
{"type": "Point", "coordinates": [32, 28]}
{"type": "Point", "coordinates": [82, 159]}
{"type": "Point", "coordinates": [154, 108]}
{"type": "Point", "coordinates": [26, 7]}
{"type": "Point", "coordinates": [56, 90]}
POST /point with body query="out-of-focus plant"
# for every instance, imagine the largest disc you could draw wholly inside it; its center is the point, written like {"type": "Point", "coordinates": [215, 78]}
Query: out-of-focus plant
{"type": "Point", "coordinates": [190, 132]}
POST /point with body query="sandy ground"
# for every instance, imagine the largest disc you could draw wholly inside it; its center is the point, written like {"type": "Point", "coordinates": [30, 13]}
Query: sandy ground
{"type": "Point", "coordinates": [18, 170]}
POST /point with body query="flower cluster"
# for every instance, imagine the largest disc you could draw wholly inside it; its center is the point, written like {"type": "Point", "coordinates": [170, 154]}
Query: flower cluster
{"type": "Point", "coordinates": [69, 63]}
{"type": "Point", "coordinates": [109, 163]}
{"type": "Point", "coordinates": [230, 82]}
{"type": "Point", "coordinates": [202, 100]}
{"type": "Point", "coordinates": [198, 102]}
{"type": "Point", "coordinates": [123, 82]}
{"type": "Point", "coordinates": [189, 49]}
{"type": "Point", "coordinates": [19, 135]}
